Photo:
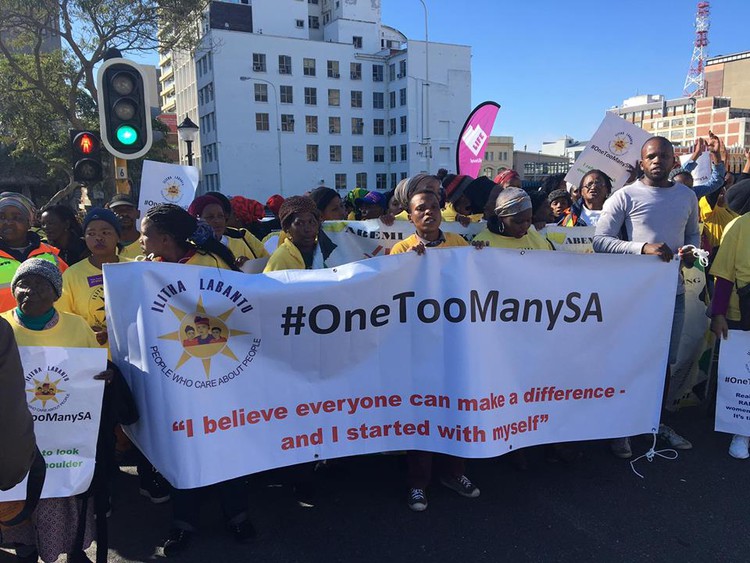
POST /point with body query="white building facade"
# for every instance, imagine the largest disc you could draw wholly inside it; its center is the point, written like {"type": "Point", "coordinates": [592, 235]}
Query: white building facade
{"type": "Point", "coordinates": [293, 94]}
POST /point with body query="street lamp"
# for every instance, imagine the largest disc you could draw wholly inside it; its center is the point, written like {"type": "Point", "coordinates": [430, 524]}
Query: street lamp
{"type": "Point", "coordinates": [187, 131]}
{"type": "Point", "coordinates": [426, 138]}
{"type": "Point", "coordinates": [278, 124]}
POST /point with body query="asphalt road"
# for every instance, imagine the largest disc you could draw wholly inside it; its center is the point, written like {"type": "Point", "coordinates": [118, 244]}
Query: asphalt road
{"type": "Point", "coordinates": [594, 509]}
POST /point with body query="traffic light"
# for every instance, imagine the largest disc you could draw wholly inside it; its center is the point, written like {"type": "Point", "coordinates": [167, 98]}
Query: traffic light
{"type": "Point", "coordinates": [124, 108]}
{"type": "Point", "coordinates": [87, 156]}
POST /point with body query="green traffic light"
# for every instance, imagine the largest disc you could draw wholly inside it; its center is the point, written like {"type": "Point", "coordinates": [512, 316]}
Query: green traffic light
{"type": "Point", "coordinates": [126, 134]}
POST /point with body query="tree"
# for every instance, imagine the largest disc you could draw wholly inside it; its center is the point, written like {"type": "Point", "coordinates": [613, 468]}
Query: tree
{"type": "Point", "coordinates": [49, 50]}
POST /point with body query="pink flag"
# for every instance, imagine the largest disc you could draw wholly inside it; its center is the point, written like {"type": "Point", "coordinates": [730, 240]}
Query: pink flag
{"type": "Point", "coordinates": [474, 138]}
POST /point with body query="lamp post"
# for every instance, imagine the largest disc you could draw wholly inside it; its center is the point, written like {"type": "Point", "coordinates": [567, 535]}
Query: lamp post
{"type": "Point", "coordinates": [426, 137]}
{"type": "Point", "coordinates": [278, 124]}
{"type": "Point", "coordinates": [187, 131]}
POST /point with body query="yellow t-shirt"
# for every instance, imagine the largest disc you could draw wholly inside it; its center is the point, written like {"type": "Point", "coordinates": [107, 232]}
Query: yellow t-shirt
{"type": "Point", "coordinates": [71, 331]}
{"type": "Point", "coordinates": [732, 261]}
{"type": "Point", "coordinates": [530, 241]}
{"type": "Point", "coordinates": [83, 294]}
{"type": "Point", "coordinates": [449, 214]}
{"type": "Point", "coordinates": [249, 246]}
{"type": "Point", "coordinates": [132, 250]}
{"type": "Point", "coordinates": [451, 239]}
{"type": "Point", "coordinates": [286, 257]}
{"type": "Point", "coordinates": [207, 259]}
{"type": "Point", "coordinates": [403, 216]}
{"type": "Point", "coordinates": [714, 221]}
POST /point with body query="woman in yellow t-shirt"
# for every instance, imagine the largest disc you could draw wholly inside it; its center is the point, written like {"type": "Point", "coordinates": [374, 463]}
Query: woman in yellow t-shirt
{"type": "Point", "coordinates": [36, 286]}
{"type": "Point", "coordinates": [83, 282]}
{"type": "Point", "coordinates": [300, 223]}
{"type": "Point", "coordinates": [215, 212]}
{"type": "Point", "coordinates": [510, 225]}
{"type": "Point", "coordinates": [171, 234]}
{"type": "Point", "coordinates": [731, 267]}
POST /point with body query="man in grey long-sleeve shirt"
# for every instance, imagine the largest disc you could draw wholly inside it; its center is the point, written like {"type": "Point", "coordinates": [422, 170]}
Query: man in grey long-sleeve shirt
{"type": "Point", "coordinates": [653, 216]}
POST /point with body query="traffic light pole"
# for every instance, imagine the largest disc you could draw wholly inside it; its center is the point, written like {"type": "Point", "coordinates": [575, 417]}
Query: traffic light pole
{"type": "Point", "coordinates": [121, 176]}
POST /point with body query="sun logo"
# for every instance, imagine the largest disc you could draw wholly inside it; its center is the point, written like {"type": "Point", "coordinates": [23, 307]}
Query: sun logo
{"type": "Point", "coordinates": [620, 144]}
{"type": "Point", "coordinates": [45, 391]}
{"type": "Point", "coordinates": [202, 336]}
{"type": "Point", "coordinates": [172, 192]}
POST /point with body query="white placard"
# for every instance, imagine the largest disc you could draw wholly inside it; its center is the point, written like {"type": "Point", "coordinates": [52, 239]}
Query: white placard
{"type": "Point", "coordinates": [733, 391]}
{"type": "Point", "coordinates": [702, 172]}
{"type": "Point", "coordinates": [166, 183]}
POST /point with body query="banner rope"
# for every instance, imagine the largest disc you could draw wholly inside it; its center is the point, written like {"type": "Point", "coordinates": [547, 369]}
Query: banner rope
{"type": "Point", "coordinates": [652, 453]}
{"type": "Point", "coordinates": [700, 255]}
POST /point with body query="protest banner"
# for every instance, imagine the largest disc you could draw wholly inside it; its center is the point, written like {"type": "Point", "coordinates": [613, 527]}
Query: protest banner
{"type": "Point", "coordinates": [456, 351]}
{"type": "Point", "coordinates": [733, 389]}
{"type": "Point", "coordinates": [65, 402]}
{"type": "Point", "coordinates": [356, 240]}
{"type": "Point", "coordinates": [616, 144]}
{"type": "Point", "coordinates": [475, 134]}
{"type": "Point", "coordinates": [702, 172]}
{"type": "Point", "coordinates": [166, 183]}
{"type": "Point", "coordinates": [571, 239]}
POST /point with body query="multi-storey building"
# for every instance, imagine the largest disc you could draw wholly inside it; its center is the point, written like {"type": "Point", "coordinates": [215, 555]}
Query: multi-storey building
{"type": "Point", "coordinates": [291, 94]}
{"type": "Point", "coordinates": [497, 155]}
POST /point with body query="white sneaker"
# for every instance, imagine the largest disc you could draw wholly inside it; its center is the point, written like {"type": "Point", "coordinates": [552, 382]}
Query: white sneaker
{"type": "Point", "coordinates": [738, 449]}
{"type": "Point", "coordinates": [674, 439]}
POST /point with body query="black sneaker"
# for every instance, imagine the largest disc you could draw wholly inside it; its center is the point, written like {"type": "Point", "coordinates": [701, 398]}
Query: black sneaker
{"type": "Point", "coordinates": [154, 488]}
{"type": "Point", "coordinates": [461, 485]}
{"type": "Point", "coordinates": [242, 532]}
{"type": "Point", "coordinates": [177, 541]}
{"type": "Point", "coordinates": [417, 500]}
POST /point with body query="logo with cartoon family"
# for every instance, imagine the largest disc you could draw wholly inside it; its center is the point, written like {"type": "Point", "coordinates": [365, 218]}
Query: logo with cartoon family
{"type": "Point", "coordinates": [621, 143]}
{"type": "Point", "coordinates": [203, 335]}
{"type": "Point", "coordinates": [173, 188]}
{"type": "Point", "coordinates": [46, 393]}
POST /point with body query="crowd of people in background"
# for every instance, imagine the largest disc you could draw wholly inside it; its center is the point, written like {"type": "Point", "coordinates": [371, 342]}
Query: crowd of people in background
{"type": "Point", "coordinates": [49, 259]}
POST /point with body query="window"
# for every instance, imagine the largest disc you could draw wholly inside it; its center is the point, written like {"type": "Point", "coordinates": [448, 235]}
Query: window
{"type": "Point", "coordinates": [381, 181]}
{"type": "Point", "coordinates": [313, 22]}
{"type": "Point", "coordinates": [356, 98]}
{"type": "Point", "coordinates": [312, 153]}
{"type": "Point", "coordinates": [300, 24]}
{"type": "Point", "coordinates": [308, 67]}
{"type": "Point", "coordinates": [392, 72]}
{"type": "Point", "coordinates": [334, 153]}
{"type": "Point", "coordinates": [357, 40]}
{"type": "Point", "coordinates": [392, 126]}
{"type": "Point", "coordinates": [339, 181]}
{"type": "Point", "coordinates": [261, 122]}
{"type": "Point", "coordinates": [334, 97]}
{"type": "Point", "coordinates": [403, 124]}
{"type": "Point", "coordinates": [402, 69]}
{"type": "Point", "coordinates": [358, 154]}
{"type": "Point", "coordinates": [378, 126]}
{"type": "Point", "coordinates": [377, 73]}
{"type": "Point", "coordinates": [358, 126]}
{"type": "Point", "coordinates": [677, 123]}
{"type": "Point", "coordinates": [261, 92]}
{"type": "Point", "coordinates": [394, 180]}
{"type": "Point", "coordinates": [312, 2]}
{"type": "Point", "coordinates": [361, 180]}
{"type": "Point", "coordinates": [355, 71]}
{"type": "Point", "coordinates": [287, 122]}
{"type": "Point", "coordinates": [286, 94]}
{"type": "Point", "coordinates": [377, 100]}
{"type": "Point", "coordinates": [311, 124]}
{"type": "Point", "coordinates": [489, 156]}
{"type": "Point", "coordinates": [334, 125]}
{"type": "Point", "coordinates": [403, 152]}
{"type": "Point", "coordinates": [402, 96]}
{"type": "Point", "coordinates": [403, 175]}
{"type": "Point", "coordinates": [285, 64]}
{"type": "Point", "coordinates": [379, 154]}
{"type": "Point", "coordinates": [311, 96]}
{"type": "Point", "coordinates": [393, 153]}
{"type": "Point", "coordinates": [333, 69]}
{"type": "Point", "coordinates": [392, 100]}
{"type": "Point", "coordinates": [259, 62]}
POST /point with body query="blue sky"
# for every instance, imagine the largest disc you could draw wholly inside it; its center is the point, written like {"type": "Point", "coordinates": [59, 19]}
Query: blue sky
{"type": "Point", "coordinates": [555, 67]}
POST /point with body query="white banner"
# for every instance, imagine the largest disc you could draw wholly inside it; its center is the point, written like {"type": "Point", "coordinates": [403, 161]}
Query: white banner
{"type": "Point", "coordinates": [458, 351]}
{"type": "Point", "coordinates": [615, 144]}
{"type": "Point", "coordinates": [166, 183]}
{"type": "Point", "coordinates": [65, 402]}
{"type": "Point", "coordinates": [702, 172]}
{"type": "Point", "coordinates": [571, 239]}
{"type": "Point", "coordinates": [733, 391]}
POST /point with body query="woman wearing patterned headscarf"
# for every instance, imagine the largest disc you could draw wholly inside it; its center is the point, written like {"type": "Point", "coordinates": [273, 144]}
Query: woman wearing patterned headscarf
{"type": "Point", "coordinates": [510, 225]}
{"type": "Point", "coordinates": [19, 243]}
